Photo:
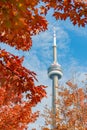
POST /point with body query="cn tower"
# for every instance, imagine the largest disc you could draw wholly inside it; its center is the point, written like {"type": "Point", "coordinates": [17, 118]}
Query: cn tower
{"type": "Point", "coordinates": [54, 73]}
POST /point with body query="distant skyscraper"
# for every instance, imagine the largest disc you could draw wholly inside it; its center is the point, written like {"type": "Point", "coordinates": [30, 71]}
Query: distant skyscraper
{"type": "Point", "coordinates": [55, 73]}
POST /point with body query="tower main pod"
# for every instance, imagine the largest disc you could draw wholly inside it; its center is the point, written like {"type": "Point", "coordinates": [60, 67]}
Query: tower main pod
{"type": "Point", "coordinates": [54, 73]}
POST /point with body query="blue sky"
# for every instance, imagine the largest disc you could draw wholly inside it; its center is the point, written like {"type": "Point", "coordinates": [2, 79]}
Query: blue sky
{"type": "Point", "coordinates": [72, 54]}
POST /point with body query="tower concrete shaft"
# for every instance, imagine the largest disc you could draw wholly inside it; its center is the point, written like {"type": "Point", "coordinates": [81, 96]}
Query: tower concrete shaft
{"type": "Point", "coordinates": [55, 73]}
{"type": "Point", "coordinates": [54, 99]}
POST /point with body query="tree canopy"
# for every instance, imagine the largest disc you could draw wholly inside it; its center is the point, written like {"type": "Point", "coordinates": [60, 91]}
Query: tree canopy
{"type": "Point", "coordinates": [18, 93]}
{"type": "Point", "coordinates": [71, 108]}
{"type": "Point", "coordinates": [21, 19]}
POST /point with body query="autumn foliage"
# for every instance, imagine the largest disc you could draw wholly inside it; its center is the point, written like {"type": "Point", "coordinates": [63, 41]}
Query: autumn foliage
{"type": "Point", "coordinates": [71, 108]}
{"type": "Point", "coordinates": [75, 10]}
{"type": "Point", "coordinates": [19, 21]}
{"type": "Point", "coordinates": [18, 93]}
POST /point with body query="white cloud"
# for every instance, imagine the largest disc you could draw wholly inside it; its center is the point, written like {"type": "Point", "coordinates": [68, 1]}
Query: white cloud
{"type": "Point", "coordinates": [80, 31]}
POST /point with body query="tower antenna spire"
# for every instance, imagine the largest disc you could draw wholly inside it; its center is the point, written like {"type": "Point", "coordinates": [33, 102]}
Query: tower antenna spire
{"type": "Point", "coordinates": [54, 47]}
{"type": "Point", "coordinates": [54, 37]}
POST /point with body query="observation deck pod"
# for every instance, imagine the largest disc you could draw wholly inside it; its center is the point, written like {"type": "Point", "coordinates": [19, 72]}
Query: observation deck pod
{"type": "Point", "coordinates": [55, 70]}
